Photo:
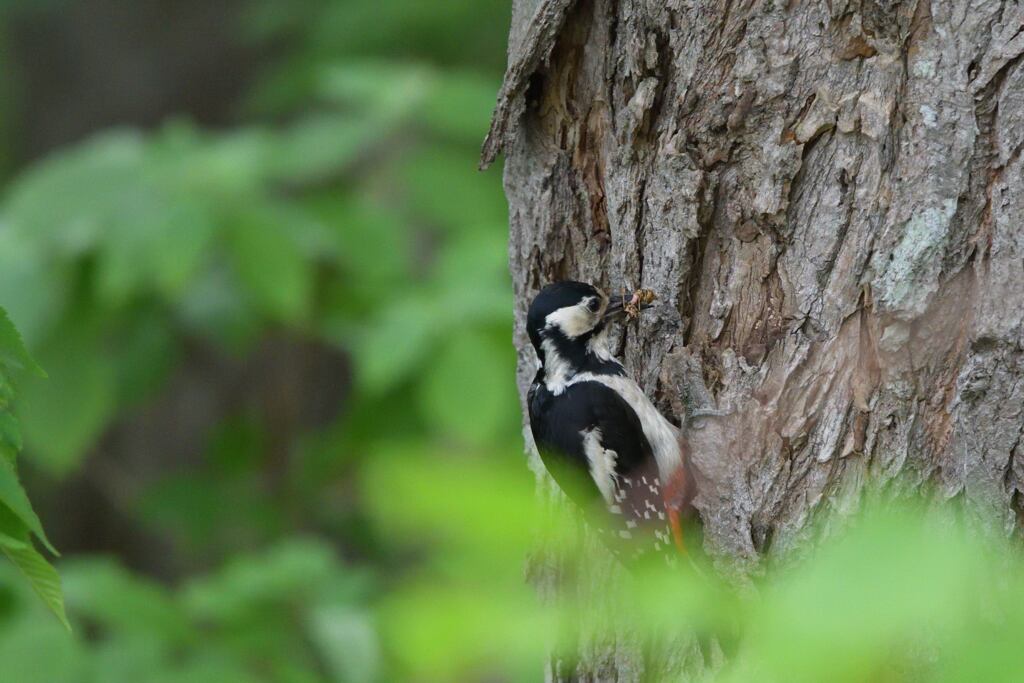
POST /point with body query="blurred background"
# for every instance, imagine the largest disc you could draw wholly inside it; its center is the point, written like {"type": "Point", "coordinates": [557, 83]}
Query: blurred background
{"type": "Point", "coordinates": [248, 242]}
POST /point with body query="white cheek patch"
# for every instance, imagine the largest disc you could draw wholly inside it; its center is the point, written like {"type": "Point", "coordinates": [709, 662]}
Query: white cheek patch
{"type": "Point", "coordinates": [572, 320]}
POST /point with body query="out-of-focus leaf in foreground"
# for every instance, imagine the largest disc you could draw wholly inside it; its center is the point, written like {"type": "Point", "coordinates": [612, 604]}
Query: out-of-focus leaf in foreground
{"type": "Point", "coordinates": [902, 594]}
{"type": "Point", "coordinates": [469, 609]}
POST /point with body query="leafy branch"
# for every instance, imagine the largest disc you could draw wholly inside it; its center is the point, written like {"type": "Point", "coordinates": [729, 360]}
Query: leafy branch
{"type": "Point", "coordinates": [19, 523]}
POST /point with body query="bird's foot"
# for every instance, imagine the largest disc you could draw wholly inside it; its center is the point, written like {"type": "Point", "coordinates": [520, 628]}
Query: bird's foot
{"type": "Point", "coordinates": [695, 419]}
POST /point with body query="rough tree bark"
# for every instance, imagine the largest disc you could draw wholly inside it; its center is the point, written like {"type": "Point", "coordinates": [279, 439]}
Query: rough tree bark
{"type": "Point", "coordinates": [828, 198]}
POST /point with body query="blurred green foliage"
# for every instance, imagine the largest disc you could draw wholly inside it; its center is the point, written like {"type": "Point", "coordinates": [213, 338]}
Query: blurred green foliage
{"type": "Point", "coordinates": [343, 211]}
{"type": "Point", "coordinates": [290, 613]}
{"type": "Point", "coordinates": [897, 592]}
{"type": "Point", "coordinates": [183, 234]}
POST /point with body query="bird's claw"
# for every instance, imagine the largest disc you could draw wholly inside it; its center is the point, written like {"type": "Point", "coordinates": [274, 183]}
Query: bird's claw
{"type": "Point", "coordinates": [697, 417]}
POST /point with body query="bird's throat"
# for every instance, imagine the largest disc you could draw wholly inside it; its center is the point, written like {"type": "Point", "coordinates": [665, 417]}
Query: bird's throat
{"type": "Point", "coordinates": [564, 360]}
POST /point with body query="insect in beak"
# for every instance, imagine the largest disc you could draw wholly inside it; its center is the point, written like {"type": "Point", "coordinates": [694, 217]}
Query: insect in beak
{"type": "Point", "coordinates": [640, 300]}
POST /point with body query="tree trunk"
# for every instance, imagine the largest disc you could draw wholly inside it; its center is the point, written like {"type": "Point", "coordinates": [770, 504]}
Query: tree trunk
{"type": "Point", "coordinates": [823, 198]}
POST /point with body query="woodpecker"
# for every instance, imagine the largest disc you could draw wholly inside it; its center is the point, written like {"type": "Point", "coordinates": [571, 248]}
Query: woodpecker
{"type": "Point", "coordinates": [599, 436]}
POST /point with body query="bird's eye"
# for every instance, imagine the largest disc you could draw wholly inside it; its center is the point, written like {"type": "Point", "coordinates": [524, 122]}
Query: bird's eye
{"type": "Point", "coordinates": [594, 305]}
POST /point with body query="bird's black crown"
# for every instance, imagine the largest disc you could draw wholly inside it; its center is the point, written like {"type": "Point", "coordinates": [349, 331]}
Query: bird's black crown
{"type": "Point", "coordinates": [553, 297]}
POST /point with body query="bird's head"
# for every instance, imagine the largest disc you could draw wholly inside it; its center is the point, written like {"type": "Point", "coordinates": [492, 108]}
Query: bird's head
{"type": "Point", "coordinates": [571, 316]}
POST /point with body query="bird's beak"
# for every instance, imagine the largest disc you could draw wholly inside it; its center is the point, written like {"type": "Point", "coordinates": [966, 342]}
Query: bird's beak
{"type": "Point", "coordinates": [615, 309]}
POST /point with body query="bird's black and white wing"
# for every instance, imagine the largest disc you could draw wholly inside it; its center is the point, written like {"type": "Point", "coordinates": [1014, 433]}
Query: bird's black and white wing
{"type": "Point", "coordinates": [593, 444]}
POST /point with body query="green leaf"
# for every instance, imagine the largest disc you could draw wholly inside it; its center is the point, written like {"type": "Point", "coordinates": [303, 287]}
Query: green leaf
{"type": "Point", "coordinates": [13, 542]}
{"type": "Point", "coordinates": [162, 250]}
{"type": "Point", "coordinates": [320, 145]}
{"type": "Point", "coordinates": [397, 343]}
{"type": "Point", "coordinates": [71, 199]}
{"type": "Point", "coordinates": [102, 591]}
{"type": "Point", "coordinates": [10, 432]}
{"type": "Point", "coordinates": [347, 643]}
{"type": "Point", "coordinates": [480, 258]}
{"type": "Point", "coordinates": [13, 496]}
{"type": "Point", "coordinates": [270, 264]}
{"type": "Point", "coordinates": [289, 570]}
{"type": "Point", "coordinates": [43, 577]}
{"type": "Point", "coordinates": [390, 92]}
{"type": "Point", "coordinates": [120, 656]}
{"type": "Point", "coordinates": [12, 349]}
{"type": "Point", "coordinates": [6, 392]}
{"type": "Point", "coordinates": [34, 285]}
{"type": "Point", "coordinates": [13, 533]}
{"type": "Point", "coordinates": [466, 392]}
{"type": "Point", "coordinates": [61, 417]}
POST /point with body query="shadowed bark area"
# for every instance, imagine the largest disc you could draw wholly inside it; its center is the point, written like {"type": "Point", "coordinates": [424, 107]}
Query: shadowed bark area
{"type": "Point", "coordinates": [828, 202]}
